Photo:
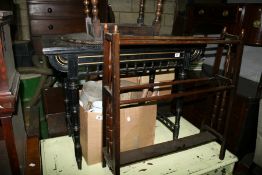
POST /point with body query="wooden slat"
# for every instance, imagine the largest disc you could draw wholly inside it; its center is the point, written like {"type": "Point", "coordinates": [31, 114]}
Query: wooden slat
{"type": "Point", "coordinates": [176, 95]}
{"type": "Point", "coordinates": [165, 148]}
{"type": "Point", "coordinates": [151, 85]}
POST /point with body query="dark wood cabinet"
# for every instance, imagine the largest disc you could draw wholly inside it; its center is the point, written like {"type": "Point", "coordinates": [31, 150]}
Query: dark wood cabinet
{"type": "Point", "coordinates": [210, 18]}
{"type": "Point", "coordinates": [12, 131]}
{"type": "Point", "coordinates": [59, 17]}
{"type": "Point", "coordinates": [54, 17]}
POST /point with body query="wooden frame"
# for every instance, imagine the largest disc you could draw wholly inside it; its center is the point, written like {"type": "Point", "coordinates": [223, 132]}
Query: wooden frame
{"type": "Point", "coordinates": [222, 85]}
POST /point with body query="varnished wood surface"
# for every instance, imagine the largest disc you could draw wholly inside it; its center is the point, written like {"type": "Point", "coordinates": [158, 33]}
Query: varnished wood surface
{"type": "Point", "coordinates": [111, 90]}
{"type": "Point", "coordinates": [33, 165]}
{"type": "Point", "coordinates": [204, 18]}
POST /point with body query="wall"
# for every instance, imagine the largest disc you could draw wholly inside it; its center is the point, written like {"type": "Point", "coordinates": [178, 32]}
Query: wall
{"type": "Point", "coordinates": [126, 11]}
{"type": "Point", "coordinates": [22, 20]}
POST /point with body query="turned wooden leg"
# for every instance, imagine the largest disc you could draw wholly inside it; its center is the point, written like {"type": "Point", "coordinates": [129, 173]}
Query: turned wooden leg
{"type": "Point", "coordinates": [74, 106]}
{"type": "Point", "coordinates": [67, 108]}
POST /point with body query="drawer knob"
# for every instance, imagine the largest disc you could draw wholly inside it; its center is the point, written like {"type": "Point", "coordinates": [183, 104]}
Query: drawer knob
{"type": "Point", "coordinates": [225, 13]}
{"type": "Point", "coordinates": [201, 12]}
{"type": "Point", "coordinates": [49, 10]}
{"type": "Point", "coordinates": [50, 27]}
{"type": "Point", "coordinates": [257, 24]}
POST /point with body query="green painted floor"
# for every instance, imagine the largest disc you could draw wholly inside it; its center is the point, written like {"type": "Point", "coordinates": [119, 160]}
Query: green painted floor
{"type": "Point", "coordinates": [58, 158]}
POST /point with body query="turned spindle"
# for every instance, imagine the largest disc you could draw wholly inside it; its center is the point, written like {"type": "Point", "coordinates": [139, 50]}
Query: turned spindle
{"type": "Point", "coordinates": [86, 9]}
{"type": "Point", "coordinates": [158, 12]}
{"type": "Point", "coordinates": [140, 19]}
{"type": "Point", "coordinates": [94, 9]}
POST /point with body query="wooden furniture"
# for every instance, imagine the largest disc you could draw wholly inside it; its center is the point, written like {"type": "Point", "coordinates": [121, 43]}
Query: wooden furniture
{"type": "Point", "coordinates": [202, 18]}
{"type": "Point", "coordinates": [243, 122]}
{"type": "Point", "coordinates": [9, 85]}
{"type": "Point", "coordinates": [59, 17]}
{"type": "Point", "coordinates": [210, 19]}
{"type": "Point", "coordinates": [221, 85]}
{"type": "Point", "coordinates": [140, 29]}
{"type": "Point", "coordinates": [94, 28]}
{"type": "Point", "coordinates": [215, 16]}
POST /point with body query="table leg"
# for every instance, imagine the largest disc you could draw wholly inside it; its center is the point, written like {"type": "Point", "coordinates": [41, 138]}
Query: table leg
{"type": "Point", "coordinates": [73, 92]}
{"type": "Point", "coordinates": [67, 108]}
{"type": "Point", "coordinates": [181, 74]}
{"type": "Point", "coordinates": [10, 144]}
{"type": "Point", "coordinates": [179, 105]}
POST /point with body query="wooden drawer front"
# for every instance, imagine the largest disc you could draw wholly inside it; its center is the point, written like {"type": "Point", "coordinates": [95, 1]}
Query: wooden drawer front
{"type": "Point", "coordinates": [56, 10]}
{"type": "Point", "coordinates": [226, 13]}
{"type": "Point", "coordinates": [51, 27]}
{"type": "Point", "coordinates": [215, 13]}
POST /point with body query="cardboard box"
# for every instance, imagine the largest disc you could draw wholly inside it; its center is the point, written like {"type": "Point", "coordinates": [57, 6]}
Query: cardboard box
{"type": "Point", "coordinates": [159, 78]}
{"type": "Point", "coordinates": [137, 128]}
{"type": "Point", "coordinates": [91, 135]}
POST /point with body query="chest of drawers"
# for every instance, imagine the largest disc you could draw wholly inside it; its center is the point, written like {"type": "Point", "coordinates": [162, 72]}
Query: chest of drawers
{"type": "Point", "coordinates": [54, 17]}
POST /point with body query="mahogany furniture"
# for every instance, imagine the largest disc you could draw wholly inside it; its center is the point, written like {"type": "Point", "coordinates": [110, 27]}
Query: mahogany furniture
{"type": "Point", "coordinates": [210, 19]}
{"type": "Point", "coordinates": [222, 86]}
{"type": "Point", "coordinates": [59, 17]}
{"type": "Point", "coordinates": [9, 86]}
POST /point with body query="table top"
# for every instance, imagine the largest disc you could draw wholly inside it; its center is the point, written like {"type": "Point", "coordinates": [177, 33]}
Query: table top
{"type": "Point", "coordinates": [69, 44]}
{"type": "Point", "coordinates": [58, 158]}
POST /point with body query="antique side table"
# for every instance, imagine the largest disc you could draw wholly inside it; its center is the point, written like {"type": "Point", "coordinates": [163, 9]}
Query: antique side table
{"type": "Point", "coordinates": [67, 57]}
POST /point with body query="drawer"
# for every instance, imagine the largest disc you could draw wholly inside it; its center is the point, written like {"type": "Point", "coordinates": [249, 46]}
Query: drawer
{"type": "Point", "coordinates": [46, 10]}
{"type": "Point", "coordinates": [57, 26]}
{"type": "Point", "coordinates": [222, 13]}
{"type": "Point", "coordinates": [226, 13]}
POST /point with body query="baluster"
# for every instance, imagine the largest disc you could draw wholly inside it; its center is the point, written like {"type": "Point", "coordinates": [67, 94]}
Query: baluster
{"type": "Point", "coordinates": [86, 9]}
{"type": "Point", "coordinates": [156, 22]}
{"type": "Point", "coordinates": [223, 100]}
{"type": "Point", "coordinates": [140, 19]}
{"type": "Point", "coordinates": [96, 21]}
{"type": "Point", "coordinates": [94, 9]}
{"type": "Point", "coordinates": [158, 12]}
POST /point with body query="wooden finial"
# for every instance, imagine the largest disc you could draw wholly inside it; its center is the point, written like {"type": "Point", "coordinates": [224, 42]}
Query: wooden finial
{"type": "Point", "coordinates": [86, 9]}
{"type": "Point", "coordinates": [140, 19]}
{"type": "Point", "coordinates": [158, 12]}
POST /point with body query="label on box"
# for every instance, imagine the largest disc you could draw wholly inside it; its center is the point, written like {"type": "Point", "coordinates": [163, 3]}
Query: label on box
{"type": "Point", "coordinates": [99, 117]}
